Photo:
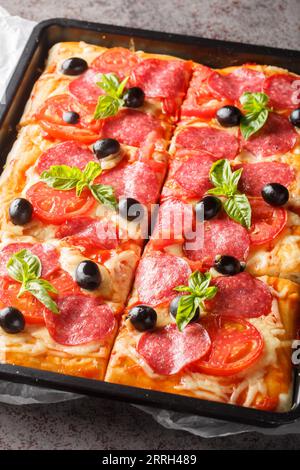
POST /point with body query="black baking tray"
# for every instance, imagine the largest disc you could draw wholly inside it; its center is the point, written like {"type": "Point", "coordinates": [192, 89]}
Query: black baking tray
{"type": "Point", "coordinates": [214, 53]}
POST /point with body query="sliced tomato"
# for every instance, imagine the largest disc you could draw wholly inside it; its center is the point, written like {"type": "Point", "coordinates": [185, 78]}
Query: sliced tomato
{"type": "Point", "coordinates": [60, 132]}
{"type": "Point", "coordinates": [50, 117]}
{"type": "Point", "coordinates": [56, 206]}
{"type": "Point", "coordinates": [64, 283]}
{"type": "Point", "coordinates": [116, 60]}
{"type": "Point", "coordinates": [236, 345]}
{"type": "Point", "coordinates": [267, 221]}
{"type": "Point", "coordinates": [31, 308]}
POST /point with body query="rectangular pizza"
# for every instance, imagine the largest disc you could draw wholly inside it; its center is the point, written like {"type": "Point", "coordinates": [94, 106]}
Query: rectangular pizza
{"type": "Point", "coordinates": [209, 305]}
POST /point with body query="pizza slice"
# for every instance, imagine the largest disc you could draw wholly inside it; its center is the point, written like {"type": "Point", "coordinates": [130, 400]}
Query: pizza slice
{"type": "Point", "coordinates": [270, 245]}
{"type": "Point", "coordinates": [210, 89]}
{"type": "Point", "coordinates": [63, 306]}
{"type": "Point", "coordinates": [131, 176]}
{"type": "Point", "coordinates": [64, 100]}
{"type": "Point", "coordinates": [235, 348]}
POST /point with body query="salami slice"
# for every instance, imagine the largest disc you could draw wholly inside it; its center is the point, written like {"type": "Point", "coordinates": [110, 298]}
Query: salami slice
{"type": "Point", "coordinates": [137, 180]}
{"type": "Point", "coordinates": [283, 91]}
{"type": "Point", "coordinates": [173, 219]}
{"type": "Point", "coordinates": [221, 237]}
{"type": "Point", "coordinates": [157, 275]}
{"type": "Point", "coordinates": [115, 178]}
{"type": "Point", "coordinates": [256, 175]}
{"type": "Point", "coordinates": [47, 254]}
{"type": "Point", "coordinates": [219, 143]}
{"type": "Point", "coordinates": [167, 351]}
{"type": "Point", "coordinates": [142, 183]}
{"type": "Point", "coordinates": [67, 153]}
{"type": "Point", "coordinates": [276, 136]}
{"type": "Point", "coordinates": [162, 78]}
{"type": "Point", "coordinates": [131, 127]}
{"type": "Point", "coordinates": [84, 88]}
{"type": "Point", "coordinates": [241, 296]}
{"type": "Point", "coordinates": [233, 85]}
{"type": "Point", "coordinates": [81, 320]}
{"type": "Point", "coordinates": [193, 173]}
{"type": "Point", "coordinates": [89, 232]}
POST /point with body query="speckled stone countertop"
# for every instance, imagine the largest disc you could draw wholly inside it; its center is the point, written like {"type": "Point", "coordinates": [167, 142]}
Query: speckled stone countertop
{"type": "Point", "coordinates": [101, 424]}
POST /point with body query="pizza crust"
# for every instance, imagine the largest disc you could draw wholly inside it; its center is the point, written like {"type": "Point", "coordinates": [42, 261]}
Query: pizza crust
{"type": "Point", "coordinates": [128, 368]}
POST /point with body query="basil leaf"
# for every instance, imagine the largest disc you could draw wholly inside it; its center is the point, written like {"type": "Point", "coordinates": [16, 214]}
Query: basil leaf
{"type": "Point", "coordinates": [26, 268]}
{"type": "Point", "coordinates": [37, 288]}
{"type": "Point", "coordinates": [196, 279]}
{"type": "Point", "coordinates": [238, 208]}
{"type": "Point", "coordinates": [24, 265]}
{"type": "Point", "coordinates": [210, 292]}
{"type": "Point", "coordinates": [109, 82]}
{"type": "Point", "coordinates": [224, 179]}
{"type": "Point", "coordinates": [220, 173]}
{"type": "Point", "coordinates": [91, 171]}
{"type": "Point", "coordinates": [186, 311]}
{"type": "Point", "coordinates": [235, 177]}
{"type": "Point", "coordinates": [121, 87]}
{"type": "Point", "coordinates": [48, 286]}
{"type": "Point", "coordinates": [61, 177]}
{"type": "Point", "coordinates": [34, 266]}
{"type": "Point", "coordinates": [254, 102]}
{"type": "Point", "coordinates": [199, 291]}
{"type": "Point", "coordinates": [104, 194]}
{"type": "Point", "coordinates": [107, 106]}
{"type": "Point", "coordinates": [251, 123]}
{"type": "Point", "coordinates": [219, 191]}
{"type": "Point", "coordinates": [80, 187]}
{"type": "Point", "coordinates": [16, 269]}
{"type": "Point", "coordinates": [183, 289]}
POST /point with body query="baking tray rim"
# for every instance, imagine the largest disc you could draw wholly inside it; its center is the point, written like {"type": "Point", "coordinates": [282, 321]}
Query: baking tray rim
{"type": "Point", "coordinates": [97, 388]}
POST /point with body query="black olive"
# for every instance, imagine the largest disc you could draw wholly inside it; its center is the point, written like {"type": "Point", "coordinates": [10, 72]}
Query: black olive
{"type": "Point", "coordinates": [208, 208]}
{"type": "Point", "coordinates": [74, 66]}
{"type": "Point", "coordinates": [131, 209]}
{"type": "Point", "coordinates": [87, 275]}
{"type": "Point", "coordinates": [174, 307]}
{"type": "Point", "coordinates": [12, 320]}
{"type": "Point", "coordinates": [71, 117]}
{"type": "Point", "coordinates": [104, 147]}
{"type": "Point", "coordinates": [228, 265]}
{"type": "Point", "coordinates": [295, 117]}
{"type": "Point", "coordinates": [143, 317]}
{"type": "Point", "coordinates": [134, 97]}
{"type": "Point", "coordinates": [20, 211]}
{"type": "Point", "coordinates": [229, 116]}
{"type": "Point", "coordinates": [275, 194]}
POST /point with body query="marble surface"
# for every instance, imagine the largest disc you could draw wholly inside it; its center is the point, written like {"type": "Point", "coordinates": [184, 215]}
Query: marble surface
{"type": "Point", "coordinates": [101, 424]}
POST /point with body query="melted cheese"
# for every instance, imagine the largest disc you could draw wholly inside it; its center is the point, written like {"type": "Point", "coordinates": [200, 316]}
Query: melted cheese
{"type": "Point", "coordinates": [37, 341]}
{"type": "Point", "coordinates": [216, 388]}
{"type": "Point", "coordinates": [69, 260]}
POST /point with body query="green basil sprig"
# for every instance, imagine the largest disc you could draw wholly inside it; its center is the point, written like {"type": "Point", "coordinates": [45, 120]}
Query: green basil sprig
{"type": "Point", "coordinates": [65, 177]}
{"type": "Point", "coordinates": [197, 291]}
{"type": "Point", "coordinates": [26, 268]}
{"type": "Point", "coordinates": [257, 111]}
{"type": "Point", "coordinates": [109, 104]}
{"type": "Point", "coordinates": [225, 180]}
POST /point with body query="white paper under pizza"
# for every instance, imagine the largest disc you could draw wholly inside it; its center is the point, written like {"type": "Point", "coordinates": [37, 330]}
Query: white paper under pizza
{"type": "Point", "coordinates": [14, 32]}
